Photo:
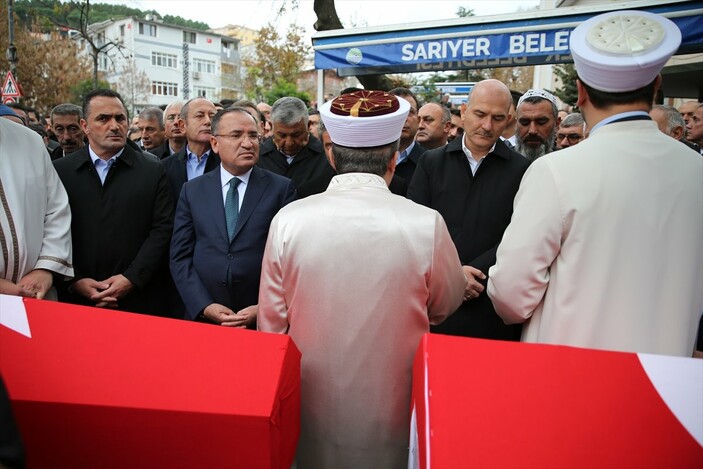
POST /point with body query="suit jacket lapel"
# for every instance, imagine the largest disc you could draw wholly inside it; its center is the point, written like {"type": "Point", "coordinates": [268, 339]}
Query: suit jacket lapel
{"type": "Point", "coordinates": [212, 162]}
{"type": "Point", "coordinates": [255, 190]}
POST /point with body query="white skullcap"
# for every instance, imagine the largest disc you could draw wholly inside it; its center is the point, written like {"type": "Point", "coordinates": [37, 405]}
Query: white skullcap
{"type": "Point", "coordinates": [623, 50]}
{"type": "Point", "coordinates": [537, 94]}
{"type": "Point", "coordinates": [364, 118]}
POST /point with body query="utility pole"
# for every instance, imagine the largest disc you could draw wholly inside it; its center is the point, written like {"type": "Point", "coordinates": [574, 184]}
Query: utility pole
{"type": "Point", "coordinates": [186, 71]}
{"type": "Point", "coordinates": [11, 49]}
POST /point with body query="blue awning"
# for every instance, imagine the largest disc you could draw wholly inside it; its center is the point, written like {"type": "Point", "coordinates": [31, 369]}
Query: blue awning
{"type": "Point", "coordinates": [530, 38]}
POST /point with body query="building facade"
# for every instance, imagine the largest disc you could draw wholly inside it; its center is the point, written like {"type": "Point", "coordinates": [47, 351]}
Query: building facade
{"type": "Point", "coordinates": [153, 63]}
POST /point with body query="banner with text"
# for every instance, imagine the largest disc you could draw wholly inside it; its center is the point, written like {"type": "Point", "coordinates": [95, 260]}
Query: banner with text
{"type": "Point", "coordinates": [475, 51]}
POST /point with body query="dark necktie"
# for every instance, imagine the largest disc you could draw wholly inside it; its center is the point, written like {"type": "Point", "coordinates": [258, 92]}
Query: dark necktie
{"type": "Point", "coordinates": [232, 206]}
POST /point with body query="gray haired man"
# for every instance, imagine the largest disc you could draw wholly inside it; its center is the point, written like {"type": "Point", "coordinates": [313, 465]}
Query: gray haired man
{"type": "Point", "coordinates": [292, 152]}
{"type": "Point", "coordinates": [571, 131]}
{"type": "Point", "coordinates": [66, 125]}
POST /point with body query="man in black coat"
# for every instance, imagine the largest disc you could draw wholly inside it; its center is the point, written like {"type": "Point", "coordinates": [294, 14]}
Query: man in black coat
{"type": "Point", "coordinates": [66, 125]}
{"type": "Point", "coordinates": [122, 214]}
{"type": "Point", "coordinates": [472, 182]}
{"type": "Point", "coordinates": [292, 152]}
{"type": "Point", "coordinates": [196, 157]}
{"type": "Point", "coordinates": [409, 151]}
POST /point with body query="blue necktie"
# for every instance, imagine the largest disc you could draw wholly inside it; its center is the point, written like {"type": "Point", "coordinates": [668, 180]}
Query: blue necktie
{"type": "Point", "coordinates": [232, 206]}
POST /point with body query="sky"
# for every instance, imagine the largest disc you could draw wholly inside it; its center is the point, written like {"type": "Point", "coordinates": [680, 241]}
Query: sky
{"type": "Point", "coordinates": [256, 13]}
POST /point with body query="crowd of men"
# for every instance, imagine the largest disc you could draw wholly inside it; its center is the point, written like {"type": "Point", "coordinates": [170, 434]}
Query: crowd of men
{"type": "Point", "coordinates": [370, 222]}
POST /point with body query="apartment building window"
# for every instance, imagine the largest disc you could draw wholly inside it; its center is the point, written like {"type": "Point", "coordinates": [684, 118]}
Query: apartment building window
{"type": "Point", "coordinates": [147, 29]}
{"type": "Point", "coordinates": [160, 59]}
{"type": "Point", "coordinates": [102, 62]}
{"type": "Point", "coordinates": [203, 66]}
{"type": "Point", "coordinates": [204, 92]}
{"type": "Point", "coordinates": [229, 45]}
{"type": "Point", "coordinates": [162, 88]}
{"type": "Point", "coordinates": [189, 37]}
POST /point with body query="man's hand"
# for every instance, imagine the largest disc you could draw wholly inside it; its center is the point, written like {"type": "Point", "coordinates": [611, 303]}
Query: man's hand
{"type": "Point", "coordinates": [473, 286]}
{"type": "Point", "coordinates": [38, 282]}
{"type": "Point", "coordinates": [88, 287]}
{"type": "Point", "coordinates": [118, 287]}
{"type": "Point", "coordinates": [9, 288]}
{"type": "Point", "coordinates": [218, 313]}
{"type": "Point", "coordinates": [92, 289]}
{"type": "Point", "coordinates": [244, 317]}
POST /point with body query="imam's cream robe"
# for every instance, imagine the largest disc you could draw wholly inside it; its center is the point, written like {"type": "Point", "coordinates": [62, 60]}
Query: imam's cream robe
{"type": "Point", "coordinates": [35, 218]}
{"type": "Point", "coordinates": [356, 275]}
{"type": "Point", "coordinates": [605, 246]}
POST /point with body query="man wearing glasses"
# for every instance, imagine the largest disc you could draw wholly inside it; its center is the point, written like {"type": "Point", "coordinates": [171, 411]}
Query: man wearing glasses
{"type": "Point", "coordinates": [571, 131]}
{"type": "Point", "coordinates": [222, 220]}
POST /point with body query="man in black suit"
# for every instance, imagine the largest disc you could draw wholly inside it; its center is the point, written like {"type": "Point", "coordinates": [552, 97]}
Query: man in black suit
{"type": "Point", "coordinates": [409, 151]}
{"type": "Point", "coordinates": [472, 182]}
{"type": "Point", "coordinates": [122, 213]}
{"type": "Point", "coordinates": [292, 152]}
{"type": "Point", "coordinates": [222, 221]}
{"type": "Point", "coordinates": [196, 157]}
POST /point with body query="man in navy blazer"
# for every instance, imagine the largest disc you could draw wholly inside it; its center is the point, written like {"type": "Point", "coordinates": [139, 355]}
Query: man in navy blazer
{"type": "Point", "coordinates": [217, 267]}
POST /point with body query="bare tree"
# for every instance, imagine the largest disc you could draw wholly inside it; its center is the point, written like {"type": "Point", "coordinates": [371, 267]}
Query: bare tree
{"type": "Point", "coordinates": [327, 19]}
{"type": "Point", "coordinates": [65, 17]}
{"type": "Point", "coordinates": [49, 67]}
{"type": "Point", "coordinates": [133, 85]}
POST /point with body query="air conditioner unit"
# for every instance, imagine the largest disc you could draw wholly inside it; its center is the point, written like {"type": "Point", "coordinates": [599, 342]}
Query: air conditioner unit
{"type": "Point", "coordinates": [196, 75]}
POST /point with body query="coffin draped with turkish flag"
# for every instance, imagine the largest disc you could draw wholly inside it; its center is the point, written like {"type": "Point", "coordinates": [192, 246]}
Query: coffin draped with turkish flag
{"type": "Point", "coordinates": [98, 388]}
{"type": "Point", "coordinates": [494, 404]}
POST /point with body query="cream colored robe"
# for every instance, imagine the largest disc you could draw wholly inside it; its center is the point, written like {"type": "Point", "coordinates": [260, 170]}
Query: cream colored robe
{"type": "Point", "coordinates": [605, 246]}
{"type": "Point", "coordinates": [356, 275]}
{"type": "Point", "coordinates": [35, 219]}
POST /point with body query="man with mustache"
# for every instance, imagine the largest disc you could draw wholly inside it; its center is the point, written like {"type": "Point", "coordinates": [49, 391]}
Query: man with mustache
{"type": "Point", "coordinates": [472, 182]}
{"type": "Point", "coordinates": [66, 125]}
{"type": "Point", "coordinates": [292, 152]}
{"type": "Point", "coordinates": [122, 214]}
{"type": "Point", "coordinates": [537, 124]}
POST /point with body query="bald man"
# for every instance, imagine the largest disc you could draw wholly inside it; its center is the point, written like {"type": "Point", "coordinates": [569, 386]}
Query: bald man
{"type": "Point", "coordinates": [687, 109]}
{"type": "Point", "coordinates": [472, 182]}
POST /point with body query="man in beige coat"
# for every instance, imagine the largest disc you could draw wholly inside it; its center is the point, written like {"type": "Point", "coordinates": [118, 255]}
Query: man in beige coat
{"type": "Point", "coordinates": [356, 275]}
{"type": "Point", "coordinates": [605, 247]}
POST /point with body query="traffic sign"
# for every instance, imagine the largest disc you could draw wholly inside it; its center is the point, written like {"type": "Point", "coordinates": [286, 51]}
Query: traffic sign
{"type": "Point", "coordinates": [9, 99]}
{"type": "Point", "coordinates": [10, 87]}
